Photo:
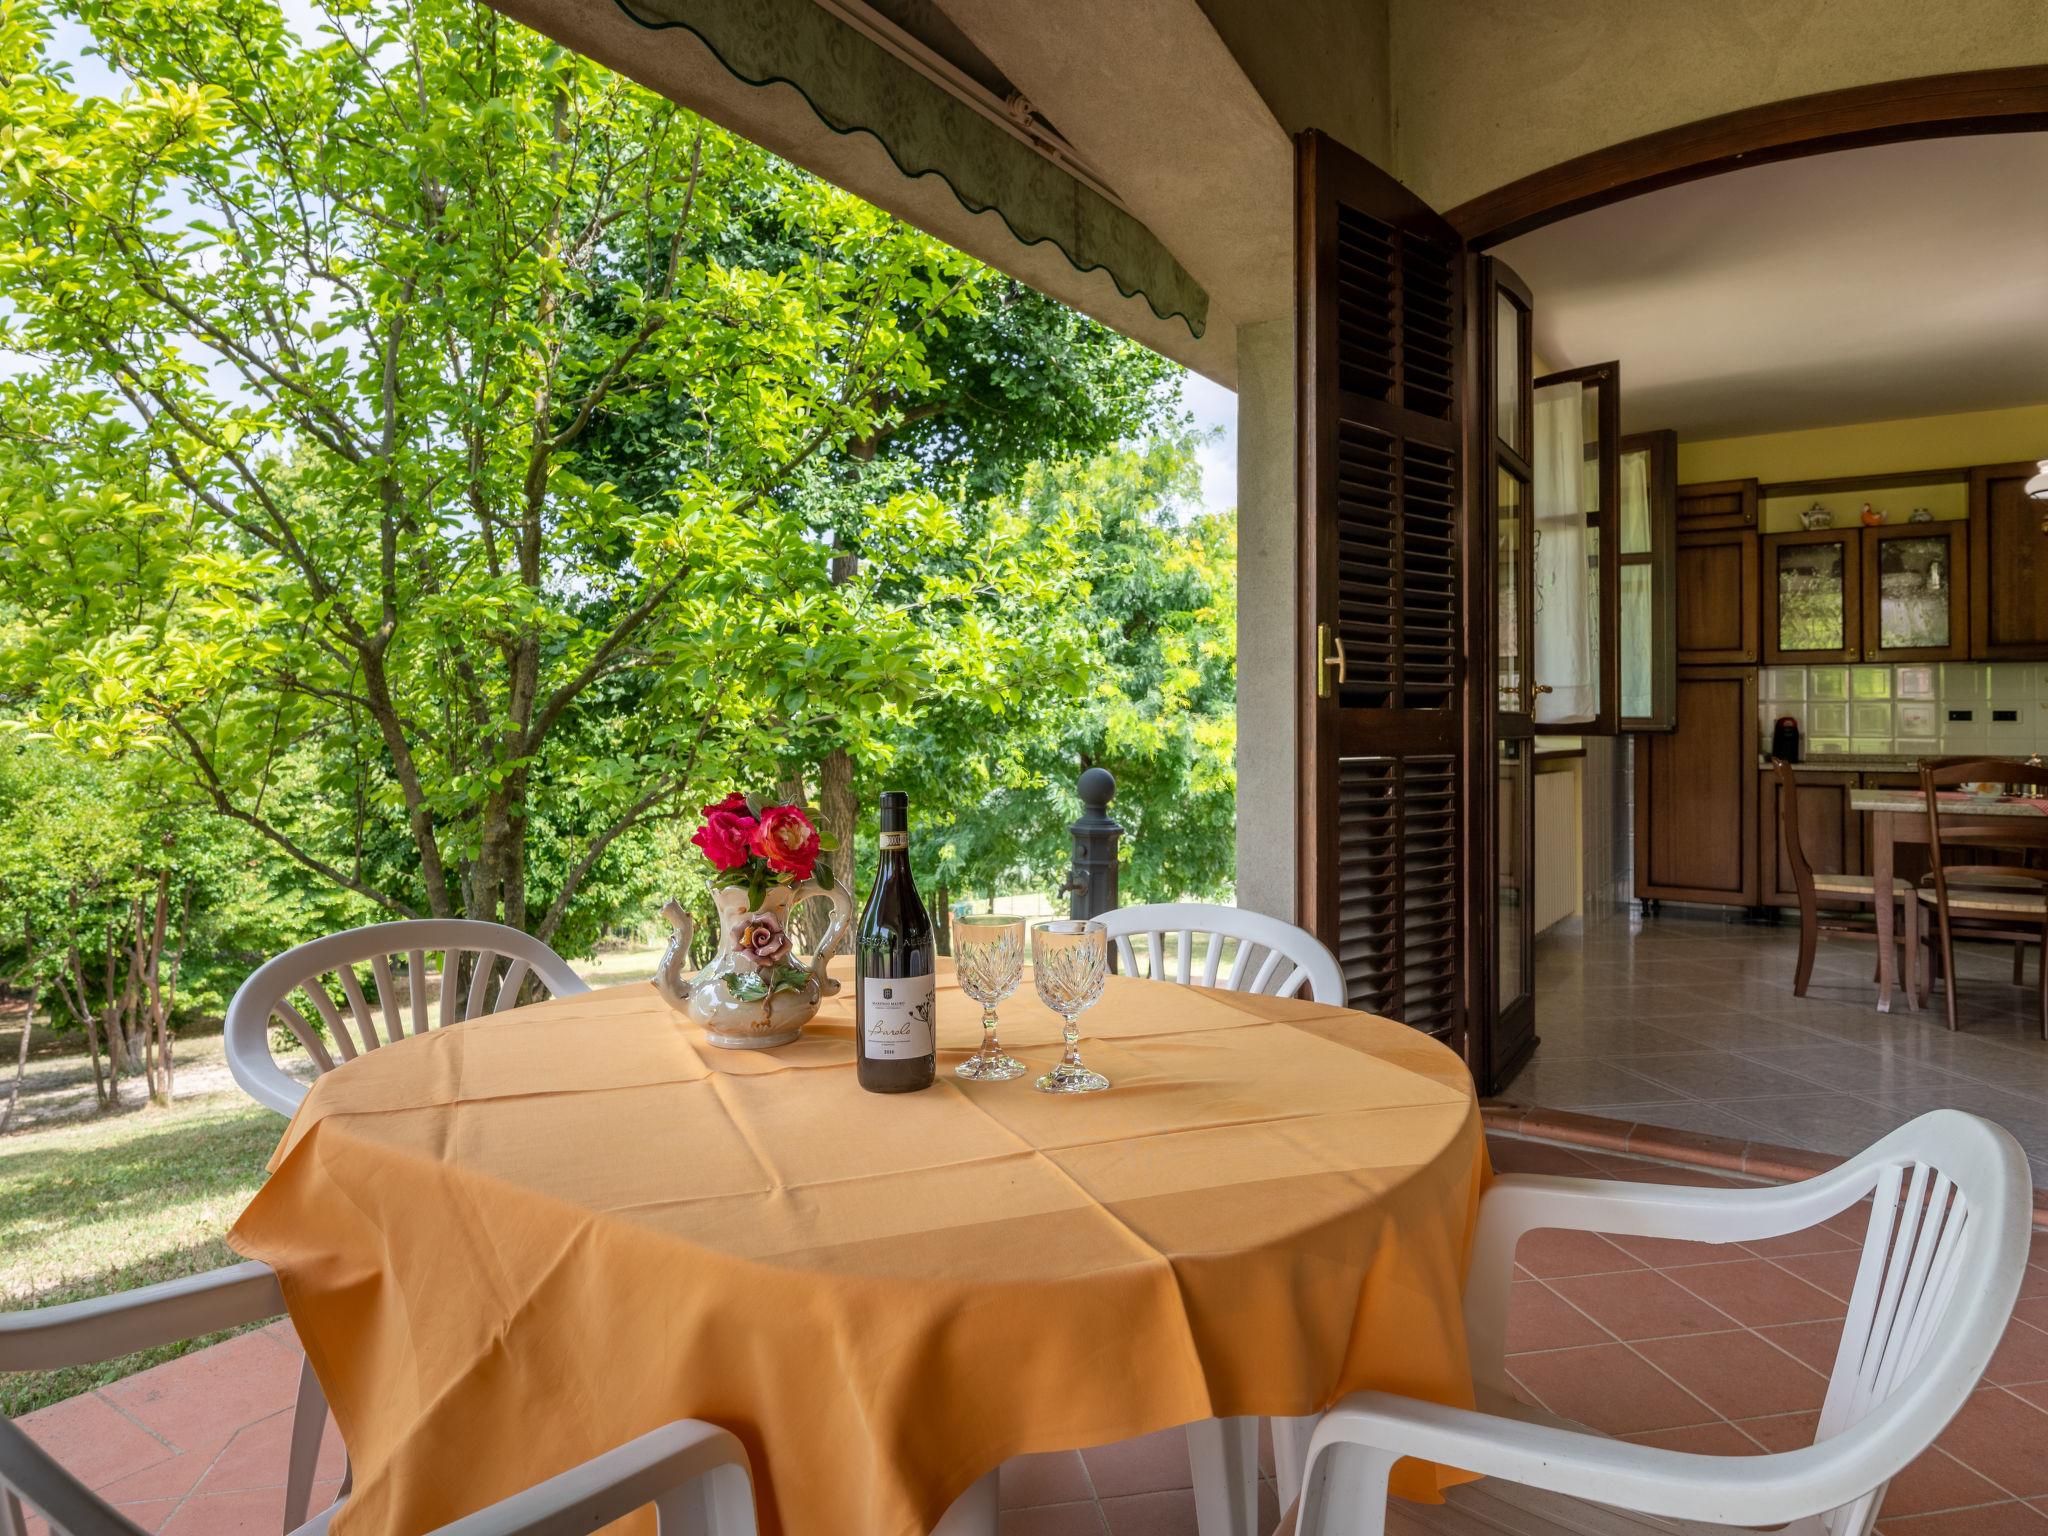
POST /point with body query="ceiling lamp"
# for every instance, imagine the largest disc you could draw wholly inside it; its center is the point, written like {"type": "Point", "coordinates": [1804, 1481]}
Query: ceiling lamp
{"type": "Point", "coordinates": [2038, 486]}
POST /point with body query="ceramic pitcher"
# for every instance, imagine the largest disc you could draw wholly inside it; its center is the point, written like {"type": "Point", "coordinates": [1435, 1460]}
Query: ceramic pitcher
{"type": "Point", "coordinates": [755, 993]}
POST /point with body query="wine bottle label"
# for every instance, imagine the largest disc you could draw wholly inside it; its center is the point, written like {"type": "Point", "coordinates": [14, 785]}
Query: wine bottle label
{"type": "Point", "coordinates": [895, 839]}
{"type": "Point", "coordinates": [897, 1014]}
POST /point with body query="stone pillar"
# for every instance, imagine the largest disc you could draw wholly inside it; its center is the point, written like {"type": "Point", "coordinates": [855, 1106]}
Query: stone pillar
{"type": "Point", "coordinates": [1268, 562]}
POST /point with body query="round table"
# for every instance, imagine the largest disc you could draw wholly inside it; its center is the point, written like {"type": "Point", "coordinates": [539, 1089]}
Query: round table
{"type": "Point", "coordinates": [515, 1243]}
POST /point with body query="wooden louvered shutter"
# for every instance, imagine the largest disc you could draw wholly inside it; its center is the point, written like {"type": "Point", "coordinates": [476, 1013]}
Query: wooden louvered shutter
{"type": "Point", "coordinates": [1380, 338]}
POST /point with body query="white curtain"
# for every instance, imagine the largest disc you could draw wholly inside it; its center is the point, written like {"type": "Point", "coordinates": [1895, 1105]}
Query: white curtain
{"type": "Point", "coordinates": [1567, 655]}
{"type": "Point", "coordinates": [1635, 584]}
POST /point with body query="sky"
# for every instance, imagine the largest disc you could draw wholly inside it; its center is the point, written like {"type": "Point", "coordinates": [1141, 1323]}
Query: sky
{"type": "Point", "coordinates": [1215, 411]}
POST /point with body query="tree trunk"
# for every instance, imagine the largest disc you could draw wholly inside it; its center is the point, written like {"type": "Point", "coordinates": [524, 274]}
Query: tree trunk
{"type": "Point", "coordinates": [150, 961]}
{"type": "Point", "coordinates": [28, 1024]}
{"type": "Point", "coordinates": [942, 918]}
{"type": "Point", "coordinates": [170, 993]}
{"type": "Point", "coordinates": [91, 1021]}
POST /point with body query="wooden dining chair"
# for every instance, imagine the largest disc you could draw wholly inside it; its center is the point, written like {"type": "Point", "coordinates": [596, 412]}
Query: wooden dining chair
{"type": "Point", "coordinates": [1838, 903]}
{"type": "Point", "coordinates": [471, 985]}
{"type": "Point", "coordinates": [1271, 957]}
{"type": "Point", "coordinates": [1998, 902]}
{"type": "Point", "coordinates": [696, 1475]}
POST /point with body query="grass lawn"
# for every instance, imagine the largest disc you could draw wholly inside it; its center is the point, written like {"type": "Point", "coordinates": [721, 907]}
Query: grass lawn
{"type": "Point", "coordinates": [92, 1203]}
{"type": "Point", "coordinates": [117, 1202]}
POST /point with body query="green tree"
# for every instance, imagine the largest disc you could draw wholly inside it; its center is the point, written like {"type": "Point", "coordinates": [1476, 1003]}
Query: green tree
{"type": "Point", "coordinates": [1158, 608]}
{"type": "Point", "coordinates": [437, 447]}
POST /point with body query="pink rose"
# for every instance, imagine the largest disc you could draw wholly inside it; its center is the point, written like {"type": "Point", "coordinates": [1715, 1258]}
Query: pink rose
{"type": "Point", "coordinates": [785, 837]}
{"type": "Point", "coordinates": [726, 838]}
{"type": "Point", "coordinates": [734, 804]}
{"type": "Point", "coordinates": [762, 939]}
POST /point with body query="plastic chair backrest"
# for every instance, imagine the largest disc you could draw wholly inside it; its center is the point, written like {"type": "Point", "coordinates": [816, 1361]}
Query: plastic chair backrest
{"type": "Point", "coordinates": [1270, 957]}
{"type": "Point", "coordinates": [471, 985]}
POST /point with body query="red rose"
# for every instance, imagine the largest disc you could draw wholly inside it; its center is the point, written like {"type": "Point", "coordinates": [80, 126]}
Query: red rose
{"type": "Point", "coordinates": [786, 839]}
{"type": "Point", "coordinates": [734, 804]}
{"type": "Point", "coordinates": [725, 838]}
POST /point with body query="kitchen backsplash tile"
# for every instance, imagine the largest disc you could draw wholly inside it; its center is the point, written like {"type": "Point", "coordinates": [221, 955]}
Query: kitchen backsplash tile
{"type": "Point", "coordinates": [1851, 709]}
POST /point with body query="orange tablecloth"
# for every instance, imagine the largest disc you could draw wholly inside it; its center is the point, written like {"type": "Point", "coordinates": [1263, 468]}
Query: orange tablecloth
{"type": "Point", "coordinates": [513, 1244]}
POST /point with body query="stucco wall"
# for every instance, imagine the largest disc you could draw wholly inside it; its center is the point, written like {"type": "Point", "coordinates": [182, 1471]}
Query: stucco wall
{"type": "Point", "coordinates": [1316, 66]}
{"type": "Point", "coordinates": [1485, 91]}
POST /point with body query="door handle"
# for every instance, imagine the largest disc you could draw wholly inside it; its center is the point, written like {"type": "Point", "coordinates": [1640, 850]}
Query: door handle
{"type": "Point", "coordinates": [1542, 688]}
{"type": "Point", "coordinates": [1329, 653]}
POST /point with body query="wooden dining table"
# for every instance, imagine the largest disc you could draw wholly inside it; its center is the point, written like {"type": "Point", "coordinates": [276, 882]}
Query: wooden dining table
{"type": "Point", "coordinates": [516, 1242]}
{"type": "Point", "coordinates": [1900, 816]}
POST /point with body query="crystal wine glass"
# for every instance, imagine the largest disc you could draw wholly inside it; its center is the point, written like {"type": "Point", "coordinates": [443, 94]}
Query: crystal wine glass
{"type": "Point", "coordinates": [988, 956]}
{"type": "Point", "coordinates": [1069, 964]}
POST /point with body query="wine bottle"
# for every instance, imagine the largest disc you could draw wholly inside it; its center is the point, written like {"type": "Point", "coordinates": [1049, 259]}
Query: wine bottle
{"type": "Point", "coordinates": [895, 1049]}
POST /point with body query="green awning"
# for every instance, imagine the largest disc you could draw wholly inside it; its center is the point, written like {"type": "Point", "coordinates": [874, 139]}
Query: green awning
{"type": "Point", "coordinates": [855, 85]}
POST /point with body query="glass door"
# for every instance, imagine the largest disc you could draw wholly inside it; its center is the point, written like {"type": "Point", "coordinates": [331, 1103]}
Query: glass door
{"type": "Point", "coordinates": [1509, 437]}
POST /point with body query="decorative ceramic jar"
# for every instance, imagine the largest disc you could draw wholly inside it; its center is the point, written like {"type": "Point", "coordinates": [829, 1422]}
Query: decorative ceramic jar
{"type": "Point", "coordinates": [755, 993]}
{"type": "Point", "coordinates": [766, 861]}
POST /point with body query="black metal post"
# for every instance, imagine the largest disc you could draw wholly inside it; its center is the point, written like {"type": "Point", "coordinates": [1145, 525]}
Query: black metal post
{"type": "Point", "coordinates": [1092, 885]}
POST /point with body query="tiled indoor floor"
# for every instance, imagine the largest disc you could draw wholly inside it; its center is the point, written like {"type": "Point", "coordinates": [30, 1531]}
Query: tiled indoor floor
{"type": "Point", "coordinates": [1715, 1349]}
{"type": "Point", "coordinates": [1688, 1021]}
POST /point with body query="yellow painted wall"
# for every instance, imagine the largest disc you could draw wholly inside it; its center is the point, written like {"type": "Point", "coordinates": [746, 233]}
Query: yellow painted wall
{"type": "Point", "coordinates": [1485, 91]}
{"type": "Point", "coordinates": [1872, 447]}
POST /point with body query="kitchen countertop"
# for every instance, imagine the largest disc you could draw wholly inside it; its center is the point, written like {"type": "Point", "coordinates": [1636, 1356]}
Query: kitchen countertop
{"type": "Point", "coordinates": [1849, 762]}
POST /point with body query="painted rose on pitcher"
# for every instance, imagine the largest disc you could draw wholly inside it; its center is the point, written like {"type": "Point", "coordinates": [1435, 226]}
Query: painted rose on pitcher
{"type": "Point", "coordinates": [765, 858]}
{"type": "Point", "coordinates": [762, 939]}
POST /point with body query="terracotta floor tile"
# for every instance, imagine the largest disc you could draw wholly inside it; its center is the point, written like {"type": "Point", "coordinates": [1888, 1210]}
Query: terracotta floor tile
{"type": "Point", "coordinates": [1640, 1304]}
{"type": "Point", "coordinates": [1756, 1293]}
{"type": "Point", "coordinates": [150, 1514]}
{"type": "Point", "coordinates": [1700, 1440]}
{"type": "Point", "coordinates": [1538, 1318]}
{"type": "Point", "coordinates": [2001, 1437]}
{"type": "Point", "coordinates": [1820, 1239]}
{"type": "Point", "coordinates": [1056, 1477]}
{"type": "Point", "coordinates": [1082, 1519]}
{"type": "Point", "coordinates": [2009, 1519]}
{"type": "Point", "coordinates": [1548, 1253]}
{"type": "Point", "coordinates": [1782, 1431]}
{"type": "Point", "coordinates": [259, 1454]}
{"type": "Point", "coordinates": [172, 1478]}
{"type": "Point", "coordinates": [256, 1513]}
{"type": "Point", "coordinates": [1148, 1464]}
{"type": "Point", "coordinates": [1513, 1156]}
{"type": "Point", "coordinates": [1936, 1480]}
{"type": "Point", "coordinates": [1737, 1374]}
{"type": "Point", "coordinates": [94, 1440]}
{"type": "Point", "coordinates": [1169, 1513]}
{"type": "Point", "coordinates": [1834, 1273]}
{"type": "Point", "coordinates": [2034, 1392]}
{"type": "Point", "coordinates": [2022, 1355]}
{"type": "Point", "coordinates": [2032, 1309]}
{"type": "Point", "coordinates": [1672, 1252]}
{"type": "Point", "coordinates": [1814, 1343]}
{"type": "Point", "coordinates": [187, 1400]}
{"type": "Point", "coordinates": [1608, 1388]}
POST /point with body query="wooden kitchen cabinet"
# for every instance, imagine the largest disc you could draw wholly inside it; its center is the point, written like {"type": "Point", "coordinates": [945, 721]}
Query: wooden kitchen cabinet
{"type": "Point", "coordinates": [1696, 793]}
{"type": "Point", "coordinates": [1717, 504]}
{"type": "Point", "coordinates": [1831, 834]}
{"type": "Point", "coordinates": [1717, 598]}
{"type": "Point", "coordinates": [2008, 565]}
{"type": "Point", "coordinates": [1916, 592]}
{"type": "Point", "coordinates": [1812, 596]}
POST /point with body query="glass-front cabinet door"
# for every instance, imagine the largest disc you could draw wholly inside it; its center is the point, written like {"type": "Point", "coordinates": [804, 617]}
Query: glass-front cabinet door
{"type": "Point", "coordinates": [1813, 595]}
{"type": "Point", "coordinates": [1647, 622]}
{"type": "Point", "coordinates": [1915, 592]}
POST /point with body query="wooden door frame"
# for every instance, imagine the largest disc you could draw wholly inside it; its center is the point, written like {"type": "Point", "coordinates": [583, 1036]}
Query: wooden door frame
{"type": "Point", "coordinates": [2010, 100]}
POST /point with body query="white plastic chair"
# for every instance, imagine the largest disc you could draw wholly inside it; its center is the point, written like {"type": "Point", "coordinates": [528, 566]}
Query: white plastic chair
{"type": "Point", "coordinates": [1942, 1263]}
{"type": "Point", "coordinates": [1275, 959]}
{"type": "Point", "coordinates": [694, 1474]}
{"type": "Point", "coordinates": [308, 969]}
{"type": "Point", "coordinates": [1271, 957]}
